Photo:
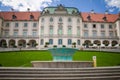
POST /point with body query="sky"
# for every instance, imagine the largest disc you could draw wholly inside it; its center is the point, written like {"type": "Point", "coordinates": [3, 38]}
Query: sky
{"type": "Point", "coordinates": [99, 6]}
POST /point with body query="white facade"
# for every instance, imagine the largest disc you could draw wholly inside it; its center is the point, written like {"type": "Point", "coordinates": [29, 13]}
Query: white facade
{"type": "Point", "coordinates": [58, 26]}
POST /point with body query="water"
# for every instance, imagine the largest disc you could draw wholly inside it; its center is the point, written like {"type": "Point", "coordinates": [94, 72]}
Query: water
{"type": "Point", "coordinates": [62, 54]}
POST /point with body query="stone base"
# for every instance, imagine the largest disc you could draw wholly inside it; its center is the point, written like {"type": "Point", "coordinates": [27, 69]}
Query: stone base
{"type": "Point", "coordinates": [63, 64]}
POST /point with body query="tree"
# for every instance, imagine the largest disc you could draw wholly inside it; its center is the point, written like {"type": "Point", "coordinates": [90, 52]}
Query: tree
{"type": "Point", "coordinates": [46, 44]}
{"type": "Point", "coordinates": [36, 44]}
{"type": "Point", "coordinates": [106, 42]}
{"type": "Point", "coordinates": [97, 42]}
{"type": "Point", "coordinates": [114, 43]}
{"type": "Point", "coordinates": [87, 43]}
{"type": "Point", "coordinates": [74, 45]}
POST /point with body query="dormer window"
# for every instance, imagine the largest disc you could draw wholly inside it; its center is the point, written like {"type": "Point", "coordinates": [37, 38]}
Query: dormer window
{"type": "Point", "coordinates": [89, 17]}
{"type": "Point", "coordinates": [104, 18]}
{"type": "Point", "coordinates": [14, 17]}
{"type": "Point", "coordinates": [31, 17]}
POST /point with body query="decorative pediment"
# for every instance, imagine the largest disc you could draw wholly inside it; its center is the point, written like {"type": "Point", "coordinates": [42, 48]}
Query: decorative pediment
{"type": "Point", "coordinates": [60, 8]}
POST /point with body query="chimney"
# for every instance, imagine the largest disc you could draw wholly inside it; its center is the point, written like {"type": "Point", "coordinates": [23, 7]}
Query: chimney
{"type": "Point", "coordinates": [28, 9]}
{"type": "Point", "coordinates": [92, 11]}
{"type": "Point", "coordinates": [106, 12]}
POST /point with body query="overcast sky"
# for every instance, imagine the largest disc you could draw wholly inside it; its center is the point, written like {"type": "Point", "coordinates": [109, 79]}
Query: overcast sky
{"type": "Point", "coordinates": [99, 6]}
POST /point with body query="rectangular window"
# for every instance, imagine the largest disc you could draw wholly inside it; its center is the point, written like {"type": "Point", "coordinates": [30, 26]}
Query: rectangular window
{"type": "Point", "coordinates": [60, 30]}
{"type": "Point", "coordinates": [78, 42]}
{"type": "Point", "coordinates": [69, 41]}
{"type": "Point", "coordinates": [34, 33]}
{"type": "Point", "coordinates": [102, 33]}
{"type": "Point", "coordinates": [102, 26]}
{"type": "Point", "coordinates": [110, 26]}
{"type": "Point", "coordinates": [69, 31]}
{"type": "Point", "coordinates": [94, 33]}
{"type": "Point", "coordinates": [7, 24]}
{"type": "Point", "coordinates": [34, 24]}
{"type": "Point", "coordinates": [85, 33]}
{"type": "Point", "coordinates": [94, 25]}
{"type": "Point", "coordinates": [78, 31]}
{"type": "Point", "coordinates": [15, 33]}
{"type": "Point", "coordinates": [16, 24]}
{"type": "Point", "coordinates": [50, 41]}
{"type": "Point", "coordinates": [85, 26]}
{"type": "Point", "coordinates": [59, 41]}
{"type": "Point", "coordinates": [111, 34]}
{"type": "Point", "coordinates": [42, 30]}
{"type": "Point", "coordinates": [51, 30]}
{"type": "Point", "coordinates": [25, 24]}
{"type": "Point", "coordinates": [24, 33]}
{"type": "Point", "coordinates": [6, 33]}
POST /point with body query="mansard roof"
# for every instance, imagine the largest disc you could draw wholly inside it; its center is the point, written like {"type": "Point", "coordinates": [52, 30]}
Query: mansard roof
{"type": "Point", "coordinates": [86, 17]}
{"type": "Point", "coordinates": [20, 16]}
{"type": "Point", "coordinates": [97, 17]}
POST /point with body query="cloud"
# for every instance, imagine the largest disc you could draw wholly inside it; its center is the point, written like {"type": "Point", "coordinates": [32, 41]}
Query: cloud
{"type": "Point", "coordinates": [22, 5]}
{"type": "Point", "coordinates": [112, 4]}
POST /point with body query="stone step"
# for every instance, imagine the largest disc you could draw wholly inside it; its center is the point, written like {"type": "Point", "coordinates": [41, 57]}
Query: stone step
{"type": "Point", "coordinates": [59, 72]}
{"type": "Point", "coordinates": [60, 75]}
{"type": "Point", "coordinates": [67, 78]}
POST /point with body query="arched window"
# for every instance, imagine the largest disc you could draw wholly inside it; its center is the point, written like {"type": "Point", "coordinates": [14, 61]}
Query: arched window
{"type": "Point", "coordinates": [78, 42]}
{"type": "Point", "coordinates": [50, 41]}
{"type": "Point", "coordinates": [69, 20]}
{"type": "Point", "coordinates": [60, 30]}
{"type": "Point", "coordinates": [42, 20]}
{"type": "Point", "coordinates": [41, 42]}
{"type": "Point", "coordinates": [59, 41]}
{"type": "Point", "coordinates": [51, 19]}
{"type": "Point", "coordinates": [69, 41]}
{"type": "Point", "coordinates": [69, 30]}
{"type": "Point", "coordinates": [60, 19]}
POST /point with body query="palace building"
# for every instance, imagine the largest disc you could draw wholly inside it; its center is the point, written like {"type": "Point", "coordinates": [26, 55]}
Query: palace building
{"type": "Point", "coordinates": [59, 26]}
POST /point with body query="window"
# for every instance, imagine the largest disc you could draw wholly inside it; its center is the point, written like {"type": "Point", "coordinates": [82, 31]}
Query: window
{"type": "Point", "coordinates": [42, 42]}
{"type": "Point", "coordinates": [31, 17]}
{"type": "Point", "coordinates": [59, 41]}
{"type": "Point", "coordinates": [85, 26]}
{"type": "Point", "coordinates": [78, 21]}
{"type": "Point", "coordinates": [15, 33]}
{"type": "Point", "coordinates": [111, 33]}
{"type": "Point", "coordinates": [85, 33]}
{"type": "Point", "coordinates": [42, 20]}
{"type": "Point", "coordinates": [94, 33]}
{"type": "Point", "coordinates": [16, 24]}
{"type": "Point", "coordinates": [102, 33]}
{"type": "Point", "coordinates": [69, 41]}
{"type": "Point", "coordinates": [78, 42]}
{"type": "Point", "coordinates": [60, 19]}
{"type": "Point", "coordinates": [34, 33]}
{"type": "Point", "coordinates": [69, 20]}
{"type": "Point", "coordinates": [42, 30]}
{"type": "Point", "coordinates": [6, 33]}
{"type": "Point", "coordinates": [14, 17]}
{"type": "Point", "coordinates": [24, 33]}
{"type": "Point", "coordinates": [94, 25]}
{"type": "Point", "coordinates": [25, 24]}
{"type": "Point", "coordinates": [78, 31]}
{"type": "Point", "coordinates": [51, 19]}
{"type": "Point", "coordinates": [7, 25]}
{"type": "Point", "coordinates": [110, 26]}
{"type": "Point", "coordinates": [34, 24]}
{"type": "Point", "coordinates": [60, 30]}
{"type": "Point", "coordinates": [69, 30]}
{"type": "Point", "coordinates": [50, 41]}
{"type": "Point", "coordinates": [102, 26]}
{"type": "Point", "coordinates": [51, 30]}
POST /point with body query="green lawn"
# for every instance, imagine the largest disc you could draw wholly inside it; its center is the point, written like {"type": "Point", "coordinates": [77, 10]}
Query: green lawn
{"type": "Point", "coordinates": [103, 58]}
{"type": "Point", "coordinates": [23, 58]}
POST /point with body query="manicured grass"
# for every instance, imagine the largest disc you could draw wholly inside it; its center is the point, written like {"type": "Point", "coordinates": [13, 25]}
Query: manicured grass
{"type": "Point", "coordinates": [23, 58]}
{"type": "Point", "coordinates": [103, 58]}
